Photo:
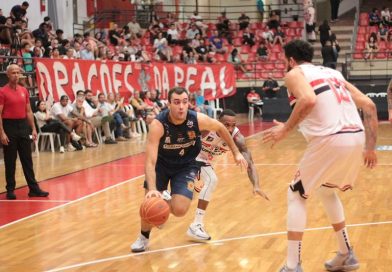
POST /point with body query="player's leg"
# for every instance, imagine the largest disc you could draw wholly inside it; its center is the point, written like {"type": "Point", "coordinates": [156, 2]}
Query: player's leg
{"type": "Point", "coordinates": [345, 258]}
{"type": "Point", "coordinates": [141, 243]}
{"type": "Point", "coordinates": [196, 229]}
{"type": "Point", "coordinates": [296, 222]}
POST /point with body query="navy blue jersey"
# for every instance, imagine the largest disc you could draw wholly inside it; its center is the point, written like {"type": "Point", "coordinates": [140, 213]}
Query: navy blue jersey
{"type": "Point", "coordinates": [180, 144]}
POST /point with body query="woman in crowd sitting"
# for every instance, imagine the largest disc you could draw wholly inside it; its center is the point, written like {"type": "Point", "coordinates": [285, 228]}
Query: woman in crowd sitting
{"type": "Point", "coordinates": [371, 47]}
{"type": "Point", "coordinates": [47, 123]}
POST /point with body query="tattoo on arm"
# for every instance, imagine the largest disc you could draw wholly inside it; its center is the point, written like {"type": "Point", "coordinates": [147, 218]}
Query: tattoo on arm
{"type": "Point", "coordinates": [252, 172]}
{"type": "Point", "coordinates": [370, 123]}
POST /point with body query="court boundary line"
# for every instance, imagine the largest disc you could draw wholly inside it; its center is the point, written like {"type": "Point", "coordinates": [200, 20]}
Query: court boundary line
{"type": "Point", "coordinates": [217, 242]}
{"type": "Point", "coordinates": [71, 202]}
{"type": "Point", "coordinates": [33, 200]}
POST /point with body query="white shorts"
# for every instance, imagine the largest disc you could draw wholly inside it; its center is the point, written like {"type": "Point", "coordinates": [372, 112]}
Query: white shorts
{"type": "Point", "coordinates": [333, 161]}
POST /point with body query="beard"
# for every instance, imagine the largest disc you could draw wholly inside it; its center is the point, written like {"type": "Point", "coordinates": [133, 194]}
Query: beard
{"type": "Point", "coordinates": [289, 68]}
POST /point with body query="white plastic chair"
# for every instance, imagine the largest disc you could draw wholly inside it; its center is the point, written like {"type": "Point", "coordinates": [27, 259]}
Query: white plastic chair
{"type": "Point", "coordinates": [251, 113]}
{"type": "Point", "coordinates": [215, 107]}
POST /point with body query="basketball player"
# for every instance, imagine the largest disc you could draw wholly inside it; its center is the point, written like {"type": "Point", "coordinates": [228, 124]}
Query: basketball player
{"type": "Point", "coordinates": [326, 112]}
{"type": "Point", "coordinates": [213, 145]}
{"type": "Point", "coordinates": [173, 144]}
{"type": "Point", "coordinates": [389, 95]}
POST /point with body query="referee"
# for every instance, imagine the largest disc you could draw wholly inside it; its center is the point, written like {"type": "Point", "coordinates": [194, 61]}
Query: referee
{"type": "Point", "coordinates": [16, 123]}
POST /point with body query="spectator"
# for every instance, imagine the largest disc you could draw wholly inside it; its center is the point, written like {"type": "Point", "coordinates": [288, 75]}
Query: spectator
{"type": "Point", "coordinates": [17, 123]}
{"type": "Point", "coordinates": [87, 53]}
{"type": "Point", "coordinates": [310, 22]}
{"type": "Point", "coordinates": [254, 99]}
{"type": "Point", "coordinates": [27, 62]}
{"type": "Point", "coordinates": [41, 33]}
{"type": "Point", "coordinates": [335, 46]}
{"type": "Point", "coordinates": [115, 35]}
{"type": "Point", "coordinates": [6, 30]}
{"type": "Point", "coordinates": [383, 32]}
{"type": "Point", "coordinates": [328, 55]}
{"type": "Point", "coordinates": [216, 44]}
{"type": "Point", "coordinates": [59, 35]}
{"type": "Point", "coordinates": [62, 111]}
{"type": "Point", "coordinates": [162, 49]}
{"type": "Point", "coordinates": [192, 32]}
{"type": "Point", "coordinates": [189, 58]}
{"type": "Point", "coordinates": [236, 60]}
{"type": "Point", "coordinates": [386, 17]}
{"type": "Point", "coordinates": [270, 87]}
{"type": "Point", "coordinates": [157, 101]}
{"type": "Point", "coordinates": [198, 21]}
{"type": "Point", "coordinates": [374, 18]}
{"type": "Point", "coordinates": [135, 28]}
{"type": "Point", "coordinates": [334, 10]}
{"type": "Point", "coordinates": [69, 54]}
{"type": "Point", "coordinates": [202, 52]}
{"type": "Point", "coordinates": [371, 48]}
{"type": "Point", "coordinates": [243, 21]}
{"type": "Point", "coordinates": [77, 51]}
{"type": "Point", "coordinates": [173, 36]}
{"type": "Point", "coordinates": [200, 103]}
{"type": "Point", "coordinates": [279, 36]}
{"type": "Point", "coordinates": [262, 52]}
{"type": "Point", "coordinates": [325, 32]}
{"type": "Point", "coordinates": [268, 35]}
{"type": "Point", "coordinates": [19, 11]}
{"type": "Point", "coordinates": [119, 117]}
{"type": "Point", "coordinates": [55, 53]}
{"type": "Point", "coordinates": [47, 123]}
{"type": "Point", "coordinates": [248, 37]}
{"type": "Point", "coordinates": [274, 20]}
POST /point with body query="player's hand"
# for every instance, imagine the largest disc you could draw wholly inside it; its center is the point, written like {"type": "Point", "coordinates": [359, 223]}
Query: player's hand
{"type": "Point", "coordinates": [34, 135]}
{"type": "Point", "coordinates": [199, 184]}
{"type": "Point", "coordinates": [4, 139]}
{"type": "Point", "coordinates": [240, 160]}
{"type": "Point", "coordinates": [258, 191]}
{"type": "Point", "coordinates": [274, 134]}
{"type": "Point", "coordinates": [370, 158]}
{"type": "Point", "coordinates": [153, 193]}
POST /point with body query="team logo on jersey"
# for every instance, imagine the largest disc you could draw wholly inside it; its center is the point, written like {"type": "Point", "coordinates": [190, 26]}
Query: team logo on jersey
{"type": "Point", "coordinates": [167, 140]}
{"type": "Point", "coordinates": [189, 124]}
{"type": "Point", "coordinates": [180, 140]}
{"type": "Point", "coordinates": [209, 139]}
{"type": "Point", "coordinates": [191, 135]}
{"type": "Point", "coordinates": [190, 186]}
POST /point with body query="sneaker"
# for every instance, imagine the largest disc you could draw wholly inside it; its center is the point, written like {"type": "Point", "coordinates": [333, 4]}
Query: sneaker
{"type": "Point", "coordinates": [110, 141]}
{"type": "Point", "coordinates": [11, 195]}
{"type": "Point", "coordinates": [197, 231]}
{"type": "Point", "coordinates": [62, 149]}
{"type": "Point", "coordinates": [140, 245]}
{"type": "Point", "coordinates": [121, 139]}
{"type": "Point", "coordinates": [343, 262]}
{"type": "Point", "coordinates": [75, 137]}
{"type": "Point", "coordinates": [70, 148]}
{"type": "Point", "coordinates": [286, 269]}
{"type": "Point", "coordinates": [166, 195]}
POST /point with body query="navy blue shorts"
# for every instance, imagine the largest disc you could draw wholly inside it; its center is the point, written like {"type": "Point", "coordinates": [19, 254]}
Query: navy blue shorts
{"type": "Point", "coordinates": [181, 179]}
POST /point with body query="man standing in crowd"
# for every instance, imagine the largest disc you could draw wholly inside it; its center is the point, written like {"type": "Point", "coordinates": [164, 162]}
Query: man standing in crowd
{"type": "Point", "coordinates": [16, 123]}
{"type": "Point", "coordinates": [270, 87]}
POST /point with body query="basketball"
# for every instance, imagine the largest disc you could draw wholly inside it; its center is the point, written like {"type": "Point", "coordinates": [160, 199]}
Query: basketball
{"type": "Point", "coordinates": [154, 211]}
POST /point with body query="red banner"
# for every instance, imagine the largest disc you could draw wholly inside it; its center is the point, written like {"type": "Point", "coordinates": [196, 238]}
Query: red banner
{"type": "Point", "coordinates": [59, 77]}
{"type": "Point", "coordinates": [215, 80]}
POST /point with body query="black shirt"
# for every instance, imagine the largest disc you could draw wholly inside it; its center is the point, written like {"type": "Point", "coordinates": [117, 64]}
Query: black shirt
{"type": "Point", "coordinates": [18, 11]}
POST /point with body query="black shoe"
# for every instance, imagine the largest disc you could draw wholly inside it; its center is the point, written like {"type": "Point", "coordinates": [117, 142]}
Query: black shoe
{"type": "Point", "coordinates": [38, 193]}
{"type": "Point", "coordinates": [11, 195]}
{"type": "Point", "coordinates": [110, 141]}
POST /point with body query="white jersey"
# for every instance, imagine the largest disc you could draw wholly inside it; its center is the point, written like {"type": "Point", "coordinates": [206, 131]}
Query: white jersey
{"type": "Point", "coordinates": [335, 110]}
{"type": "Point", "coordinates": [213, 145]}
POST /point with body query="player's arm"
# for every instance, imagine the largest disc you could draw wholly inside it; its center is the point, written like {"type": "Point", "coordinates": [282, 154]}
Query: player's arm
{"type": "Point", "coordinates": [30, 119]}
{"type": "Point", "coordinates": [370, 122]}
{"type": "Point", "coordinates": [3, 136]}
{"type": "Point", "coordinates": [154, 135]}
{"type": "Point", "coordinates": [305, 100]}
{"type": "Point", "coordinates": [239, 141]}
{"type": "Point", "coordinates": [207, 123]}
{"type": "Point", "coordinates": [389, 95]}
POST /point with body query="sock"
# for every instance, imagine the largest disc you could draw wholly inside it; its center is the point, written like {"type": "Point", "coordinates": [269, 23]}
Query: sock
{"type": "Point", "coordinates": [199, 217]}
{"type": "Point", "coordinates": [146, 233]}
{"type": "Point", "coordinates": [343, 241]}
{"type": "Point", "coordinates": [293, 253]}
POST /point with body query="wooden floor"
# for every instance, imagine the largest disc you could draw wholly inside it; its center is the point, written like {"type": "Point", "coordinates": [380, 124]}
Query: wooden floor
{"type": "Point", "coordinates": [248, 233]}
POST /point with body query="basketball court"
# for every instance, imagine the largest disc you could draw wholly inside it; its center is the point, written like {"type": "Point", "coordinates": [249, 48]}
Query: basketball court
{"type": "Point", "coordinates": [91, 216]}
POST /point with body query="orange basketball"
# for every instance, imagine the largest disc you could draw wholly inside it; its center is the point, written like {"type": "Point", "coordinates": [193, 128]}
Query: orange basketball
{"type": "Point", "coordinates": [155, 211]}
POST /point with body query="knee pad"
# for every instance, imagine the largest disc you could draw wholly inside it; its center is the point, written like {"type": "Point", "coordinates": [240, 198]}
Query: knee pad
{"type": "Point", "coordinates": [332, 204]}
{"type": "Point", "coordinates": [207, 174]}
{"type": "Point", "coordinates": [296, 211]}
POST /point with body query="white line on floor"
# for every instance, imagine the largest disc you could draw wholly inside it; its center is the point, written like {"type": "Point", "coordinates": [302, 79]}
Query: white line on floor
{"type": "Point", "coordinates": [34, 200]}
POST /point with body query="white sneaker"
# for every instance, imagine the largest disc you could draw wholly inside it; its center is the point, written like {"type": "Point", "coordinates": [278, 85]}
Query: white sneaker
{"type": "Point", "coordinates": [140, 245]}
{"type": "Point", "coordinates": [166, 195]}
{"type": "Point", "coordinates": [197, 231]}
{"type": "Point", "coordinates": [286, 269]}
{"type": "Point", "coordinates": [62, 149]}
{"type": "Point", "coordinates": [135, 135]}
{"type": "Point", "coordinates": [70, 148]}
{"type": "Point", "coordinates": [75, 136]}
{"type": "Point", "coordinates": [342, 262]}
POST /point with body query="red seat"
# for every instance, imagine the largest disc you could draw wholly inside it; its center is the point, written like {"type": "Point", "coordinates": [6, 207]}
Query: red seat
{"type": "Point", "coordinates": [382, 45]}
{"type": "Point", "coordinates": [259, 67]}
{"type": "Point", "coordinates": [292, 24]}
{"type": "Point", "coordinates": [280, 66]}
{"type": "Point", "coordinates": [291, 32]}
{"type": "Point", "coordinates": [358, 55]}
{"type": "Point", "coordinates": [245, 49]}
{"type": "Point", "coordinates": [364, 22]}
{"type": "Point", "coordinates": [298, 31]}
{"type": "Point", "coordinates": [300, 24]}
{"type": "Point", "coordinates": [361, 38]}
{"type": "Point", "coordinates": [263, 75]}
{"type": "Point", "coordinates": [360, 46]}
{"type": "Point", "coordinates": [211, 26]}
{"type": "Point", "coordinates": [220, 58]}
{"type": "Point", "coordinates": [276, 48]}
{"type": "Point", "coordinates": [363, 15]}
{"type": "Point", "coordinates": [278, 74]}
{"type": "Point", "coordinates": [373, 29]}
{"type": "Point", "coordinates": [273, 56]}
{"type": "Point", "coordinates": [381, 55]}
{"type": "Point", "coordinates": [362, 30]}
{"type": "Point", "coordinates": [237, 42]}
{"type": "Point", "coordinates": [268, 66]}
{"type": "Point", "coordinates": [251, 57]}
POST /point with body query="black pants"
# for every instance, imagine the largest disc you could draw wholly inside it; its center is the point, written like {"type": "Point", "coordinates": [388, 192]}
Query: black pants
{"type": "Point", "coordinates": [58, 127]}
{"type": "Point", "coordinates": [334, 8]}
{"type": "Point", "coordinates": [18, 133]}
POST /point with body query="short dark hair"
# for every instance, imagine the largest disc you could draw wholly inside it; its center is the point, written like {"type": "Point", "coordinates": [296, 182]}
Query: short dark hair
{"type": "Point", "coordinates": [59, 31]}
{"type": "Point", "coordinates": [25, 3]}
{"type": "Point", "coordinates": [101, 94]}
{"type": "Point", "coordinates": [87, 91]}
{"type": "Point", "coordinates": [228, 112]}
{"type": "Point", "coordinates": [299, 50]}
{"type": "Point", "coordinates": [177, 90]}
{"type": "Point", "coordinates": [79, 92]}
{"type": "Point", "coordinates": [63, 97]}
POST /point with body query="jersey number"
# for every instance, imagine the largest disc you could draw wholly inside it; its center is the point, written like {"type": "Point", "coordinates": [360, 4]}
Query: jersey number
{"type": "Point", "coordinates": [182, 152]}
{"type": "Point", "coordinates": [339, 90]}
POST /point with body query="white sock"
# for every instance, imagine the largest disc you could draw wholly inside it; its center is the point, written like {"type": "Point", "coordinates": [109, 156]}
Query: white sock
{"type": "Point", "coordinates": [199, 217]}
{"type": "Point", "coordinates": [343, 241]}
{"type": "Point", "coordinates": [293, 253]}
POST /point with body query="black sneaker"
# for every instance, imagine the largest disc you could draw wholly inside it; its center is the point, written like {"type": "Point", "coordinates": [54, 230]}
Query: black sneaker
{"type": "Point", "coordinates": [11, 195]}
{"type": "Point", "coordinates": [110, 141]}
{"type": "Point", "coordinates": [38, 193]}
